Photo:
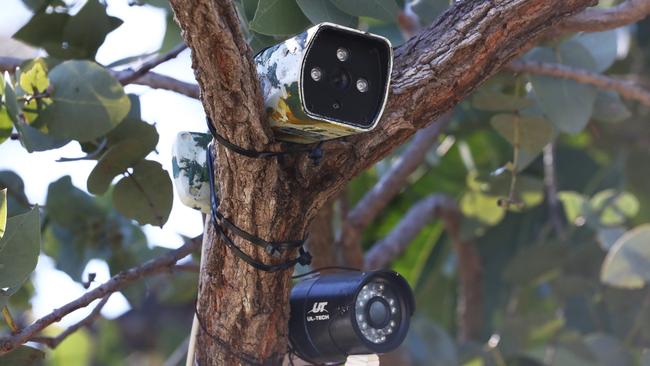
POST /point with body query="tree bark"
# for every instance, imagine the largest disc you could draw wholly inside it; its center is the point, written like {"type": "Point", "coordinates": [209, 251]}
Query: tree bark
{"type": "Point", "coordinates": [245, 311]}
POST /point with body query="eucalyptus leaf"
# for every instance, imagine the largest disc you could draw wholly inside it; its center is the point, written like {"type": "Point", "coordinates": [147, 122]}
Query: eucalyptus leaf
{"type": "Point", "coordinates": [278, 17]}
{"type": "Point", "coordinates": [532, 132]}
{"type": "Point", "coordinates": [614, 207]}
{"type": "Point", "coordinates": [117, 159]}
{"type": "Point", "coordinates": [601, 45]}
{"type": "Point", "coordinates": [88, 101]}
{"type": "Point", "coordinates": [6, 125]}
{"type": "Point", "coordinates": [146, 194]}
{"type": "Point", "coordinates": [627, 264]}
{"type": "Point", "coordinates": [566, 103]}
{"type": "Point", "coordinates": [481, 207]}
{"type": "Point", "coordinates": [610, 108]}
{"type": "Point", "coordinates": [17, 202]}
{"type": "Point", "coordinates": [250, 6]}
{"type": "Point", "coordinates": [575, 205]}
{"type": "Point", "coordinates": [319, 11]}
{"type": "Point", "coordinates": [87, 29]}
{"type": "Point", "coordinates": [380, 9]}
{"type": "Point", "coordinates": [19, 248]}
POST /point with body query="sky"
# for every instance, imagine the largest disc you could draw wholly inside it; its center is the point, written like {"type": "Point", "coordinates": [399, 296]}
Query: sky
{"type": "Point", "coordinates": [141, 33]}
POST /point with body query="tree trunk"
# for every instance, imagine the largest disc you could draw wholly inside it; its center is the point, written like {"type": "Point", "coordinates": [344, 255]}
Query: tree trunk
{"type": "Point", "coordinates": [245, 311]}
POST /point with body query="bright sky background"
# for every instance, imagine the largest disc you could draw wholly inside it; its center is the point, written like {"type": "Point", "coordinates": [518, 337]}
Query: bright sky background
{"type": "Point", "coordinates": [141, 33]}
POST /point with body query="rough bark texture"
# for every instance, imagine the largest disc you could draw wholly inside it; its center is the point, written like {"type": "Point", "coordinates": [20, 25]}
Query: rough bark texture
{"type": "Point", "coordinates": [247, 310]}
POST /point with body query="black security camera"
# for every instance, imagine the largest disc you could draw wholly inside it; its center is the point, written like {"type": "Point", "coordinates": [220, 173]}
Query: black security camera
{"type": "Point", "coordinates": [349, 313]}
{"type": "Point", "coordinates": [327, 82]}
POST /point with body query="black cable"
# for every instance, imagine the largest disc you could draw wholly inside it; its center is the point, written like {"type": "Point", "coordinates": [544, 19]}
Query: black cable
{"type": "Point", "coordinates": [303, 258]}
{"type": "Point", "coordinates": [315, 153]}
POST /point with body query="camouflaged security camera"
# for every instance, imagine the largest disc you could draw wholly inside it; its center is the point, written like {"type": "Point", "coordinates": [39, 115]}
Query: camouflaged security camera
{"type": "Point", "coordinates": [327, 82]}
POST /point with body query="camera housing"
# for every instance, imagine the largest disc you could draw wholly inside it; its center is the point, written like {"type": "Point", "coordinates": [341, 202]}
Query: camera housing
{"type": "Point", "coordinates": [349, 313]}
{"type": "Point", "coordinates": [327, 82]}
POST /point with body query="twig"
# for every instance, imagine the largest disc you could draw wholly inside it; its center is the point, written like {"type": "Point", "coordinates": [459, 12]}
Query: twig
{"type": "Point", "coordinates": [150, 79]}
{"type": "Point", "coordinates": [149, 65]}
{"type": "Point", "coordinates": [89, 156]}
{"type": "Point", "coordinates": [626, 89]}
{"type": "Point", "coordinates": [388, 186]}
{"type": "Point", "coordinates": [117, 282]}
{"type": "Point", "coordinates": [53, 342]}
{"type": "Point", "coordinates": [382, 253]}
{"type": "Point", "coordinates": [550, 184]}
{"type": "Point", "coordinates": [599, 19]}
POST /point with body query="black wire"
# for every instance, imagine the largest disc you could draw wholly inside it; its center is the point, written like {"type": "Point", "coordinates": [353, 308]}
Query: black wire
{"type": "Point", "coordinates": [315, 153]}
{"type": "Point", "coordinates": [303, 258]}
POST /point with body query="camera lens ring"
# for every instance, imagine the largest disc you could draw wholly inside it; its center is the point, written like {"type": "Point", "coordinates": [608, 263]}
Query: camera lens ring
{"type": "Point", "coordinates": [340, 79]}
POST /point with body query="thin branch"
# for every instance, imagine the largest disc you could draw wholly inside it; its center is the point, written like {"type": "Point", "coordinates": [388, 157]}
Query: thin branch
{"type": "Point", "coordinates": [626, 89]}
{"type": "Point", "coordinates": [53, 342]}
{"type": "Point", "coordinates": [161, 264]}
{"type": "Point", "coordinates": [382, 253]}
{"type": "Point", "coordinates": [149, 65]}
{"type": "Point", "coordinates": [550, 185]}
{"type": "Point", "coordinates": [599, 19]}
{"type": "Point", "coordinates": [388, 187]}
{"type": "Point", "coordinates": [150, 79]}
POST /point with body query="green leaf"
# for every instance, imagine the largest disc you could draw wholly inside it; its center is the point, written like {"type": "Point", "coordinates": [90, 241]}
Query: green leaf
{"type": "Point", "coordinates": [17, 202]}
{"type": "Point", "coordinates": [493, 101]}
{"type": "Point", "coordinates": [381, 9]}
{"type": "Point", "coordinates": [610, 108]}
{"type": "Point", "coordinates": [34, 80]}
{"type": "Point", "coordinates": [23, 356]}
{"type": "Point", "coordinates": [601, 45]}
{"type": "Point", "coordinates": [145, 195]}
{"type": "Point", "coordinates": [575, 205]}
{"type": "Point", "coordinates": [614, 207]}
{"type": "Point", "coordinates": [319, 11]}
{"type": "Point", "coordinates": [482, 207]}
{"type": "Point", "coordinates": [566, 103]}
{"type": "Point", "coordinates": [3, 211]}
{"type": "Point", "coordinates": [117, 159]}
{"type": "Point", "coordinates": [6, 125]}
{"type": "Point", "coordinates": [627, 264]}
{"type": "Point", "coordinates": [87, 30]}
{"type": "Point", "coordinates": [64, 36]}
{"type": "Point", "coordinates": [534, 132]}
{"type": "Point", "coordinates": [250, 6]}
{"type": "Point", "coordinates": [278, 17]}
{"type": "Point", "coordinates": [172, 35]}
{"type": "Point", "coordinates": [19, 248]}
{"type": "Point", "coordinates": [88, 101]}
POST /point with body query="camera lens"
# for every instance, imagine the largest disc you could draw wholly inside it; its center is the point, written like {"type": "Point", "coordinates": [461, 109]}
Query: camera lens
{"type": "Point", "coordinates": [376, 313]}
{"type": "Point", "coordinates": [340, 79]}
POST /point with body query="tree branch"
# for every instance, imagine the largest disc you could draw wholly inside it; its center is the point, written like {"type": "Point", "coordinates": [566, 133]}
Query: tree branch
{"type": "Point", "coordinates": [382, 253]}
{"type": "Point", "coordinates": [626, 89]}
{"type": "Point", "coordinates": [599, 19]}
{"type": "Point", "coordinates": [150, 79]}
{"type": "Point", "coordinates": [390, 184]}
{"type": "Point", "coordinates": [149, 65]}
{"type": "Point", "coordinates": [53, 342]}
{"type": "Point", "coordinates": [161, 264]}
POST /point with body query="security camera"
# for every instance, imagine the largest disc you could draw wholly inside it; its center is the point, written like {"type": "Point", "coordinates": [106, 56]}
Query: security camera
{"type": "Point", "coordinates": [350, 313]}
{"type": "Point", "coordinates": [327, 82]}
